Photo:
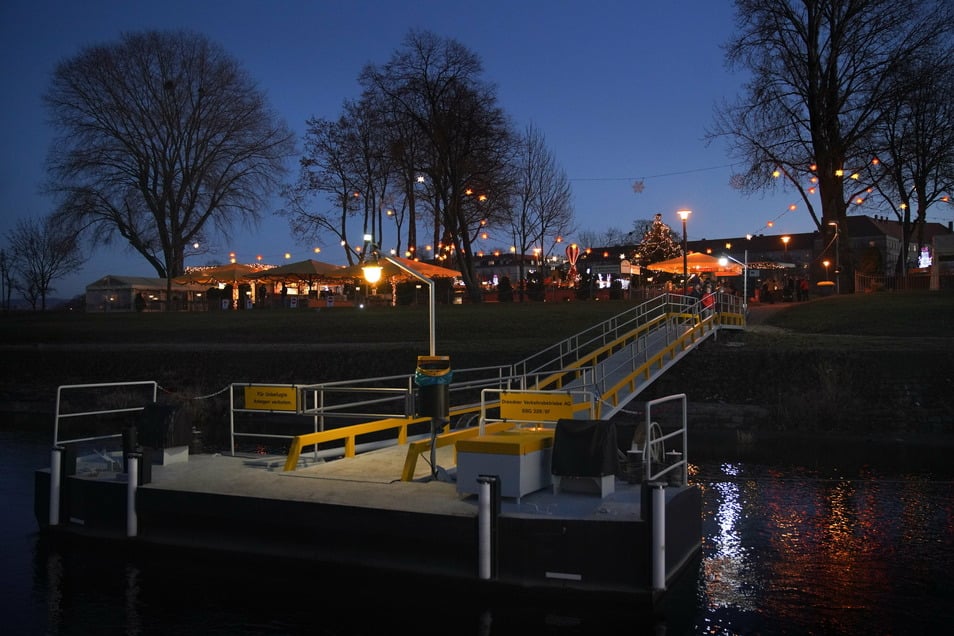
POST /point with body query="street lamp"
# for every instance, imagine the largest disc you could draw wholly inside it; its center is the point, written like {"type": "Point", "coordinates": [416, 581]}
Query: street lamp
{"type": "Point", "coordinates": [684, 215]}
{"type": "Point", "coordinates": [745, 276]}
{"type": "Point", "coordinates": [785, 240]}
{"type": "Point", "coordinates": [826, 263]}
{"type": "Point", "coordinates": [837, 257]}
{"type": "Point", "coordinates": [372, 274]}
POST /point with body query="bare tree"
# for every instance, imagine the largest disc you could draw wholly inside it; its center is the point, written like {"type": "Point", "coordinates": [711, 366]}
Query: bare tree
{"type": "Point", "coordinates": [821, 73]}
{"type": "Point", "coordinates": [542, 202]}
{"type": "Point", "coordinates": [6, 280]}
{"type": "Point", "coordinates": [435, 83]}
{"type": "Point", "coordinates": [42, 251]}
{"type": "Point", "coordinates": [914, 142]}
{"type": "Point", "coordinates": [325, 168]}
{"type": "Point", "coordinates": [161, 137]}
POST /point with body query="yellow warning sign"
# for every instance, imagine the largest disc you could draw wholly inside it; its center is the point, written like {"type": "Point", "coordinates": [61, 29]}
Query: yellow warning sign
{"type": "Point", "coordinates": [536, 406]}
{"type": "Point", "coordinates": [271, 398]}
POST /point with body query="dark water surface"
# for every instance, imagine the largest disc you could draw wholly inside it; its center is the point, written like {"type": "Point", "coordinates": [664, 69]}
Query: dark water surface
{"type": "Point", "coordinates": [845, 537]}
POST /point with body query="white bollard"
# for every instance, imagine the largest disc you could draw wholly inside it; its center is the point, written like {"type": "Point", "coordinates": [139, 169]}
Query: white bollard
{"type": "Point", "coordinates": [132, 472]}
{"type": "Point", "coordinates": [56, 470]}
{"type": "Point", "coordinates": [659, 536]}
{"type": "Point", "coordinates": [483, 530]}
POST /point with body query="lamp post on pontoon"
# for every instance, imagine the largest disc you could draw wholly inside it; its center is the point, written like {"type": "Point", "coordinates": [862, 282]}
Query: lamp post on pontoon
{"type": "Point", "coordinates": [372, 274]}
{"type": "Point", "coordinates": [724, 260]}
{"type": "Point", "coordinates": [684, 215]}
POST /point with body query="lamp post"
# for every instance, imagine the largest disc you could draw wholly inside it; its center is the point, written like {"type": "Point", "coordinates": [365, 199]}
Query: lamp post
{"type": "Point", "coordinates": [837, 257]}
{"type": "Point", "coordinates": [745, 276]}
{"type": "Point", "coordinates": [684, 215]}
{"type": "Point", "coordinates": [372, 274]}
{"type": "Point", "coordinates": [826, 263]}
{"type": "Point", "coordinates": [785, 240]}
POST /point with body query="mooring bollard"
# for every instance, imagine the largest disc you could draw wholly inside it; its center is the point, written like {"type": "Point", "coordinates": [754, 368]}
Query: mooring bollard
{"type": "Point", "coordinates": [659, 535]}
{"type": "Point", "coordinates": [56, 469]}
{"type": "Point", "coordinates": [488, 510]}
{"type": "Point", "coordinates": [132, 473]}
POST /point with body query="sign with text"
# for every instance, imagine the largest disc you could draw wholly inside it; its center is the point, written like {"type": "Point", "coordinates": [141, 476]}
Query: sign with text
{"type": "Point", "coordinates": [536, 406]}
{"type": "Point", "coordinates": [271, 398]}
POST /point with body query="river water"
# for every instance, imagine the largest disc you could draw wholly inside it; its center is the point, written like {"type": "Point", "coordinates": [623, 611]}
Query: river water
{"type": "Point", "coordinates": [799, 537]}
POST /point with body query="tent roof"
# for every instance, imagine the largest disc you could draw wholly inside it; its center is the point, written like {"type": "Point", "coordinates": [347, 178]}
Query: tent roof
{"type": "Point", "coordinates": [390, 270]}
{"type": "Point", "coordinates": [697, 263]}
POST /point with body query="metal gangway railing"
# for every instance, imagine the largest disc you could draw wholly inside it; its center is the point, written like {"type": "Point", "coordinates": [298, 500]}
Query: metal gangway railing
{"type": "Point", "coordinates": [614, 360]}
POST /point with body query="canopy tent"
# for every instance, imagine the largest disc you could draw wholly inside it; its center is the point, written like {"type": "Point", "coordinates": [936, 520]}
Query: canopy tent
{"type": "Point", "coordinates": [308, 271]}
{"type": "Point", "coordinates": [697, 263]}
{"type": "Point", "coordinates": [393, 273]}
{"type": "Point", "coordinates": [231, 274]}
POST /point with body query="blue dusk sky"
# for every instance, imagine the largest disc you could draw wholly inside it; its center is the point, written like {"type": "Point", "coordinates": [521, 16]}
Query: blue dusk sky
{"type": "Point", "coordinates": [621, 90]}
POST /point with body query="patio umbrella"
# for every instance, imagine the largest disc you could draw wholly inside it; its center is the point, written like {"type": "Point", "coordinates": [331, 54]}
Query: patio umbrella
{"type": "Point", "coordinates": [390, 271]}
{"type": "Point", "coordinates": [310, 271]}
{"type": "Point", "coordinates": [697, 263]}
{"type": "Point", "coordinates": [230, 274]}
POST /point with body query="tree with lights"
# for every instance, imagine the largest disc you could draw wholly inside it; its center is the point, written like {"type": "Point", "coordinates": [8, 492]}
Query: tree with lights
{"type": "Point", "coordinates": [824, 74]}
{"type": "Point", "coordinates": [658, 244]}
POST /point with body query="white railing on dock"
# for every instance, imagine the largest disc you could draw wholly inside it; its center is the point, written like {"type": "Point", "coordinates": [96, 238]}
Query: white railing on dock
{"type": "Point", "coordinates": [654, 452]}
{"type": "Point", "coordinates": [70, 404]}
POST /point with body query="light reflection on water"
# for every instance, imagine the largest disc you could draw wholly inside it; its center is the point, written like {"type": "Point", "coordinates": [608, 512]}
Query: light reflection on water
{"type": "Point", "coordinates": [794, 542]}
{"type": "Point", "coordinates": [818, 549]}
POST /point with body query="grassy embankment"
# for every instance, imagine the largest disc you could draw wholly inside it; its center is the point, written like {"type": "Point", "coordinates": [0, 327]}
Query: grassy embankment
{"type": "Point", "coordinates": [841, 361]}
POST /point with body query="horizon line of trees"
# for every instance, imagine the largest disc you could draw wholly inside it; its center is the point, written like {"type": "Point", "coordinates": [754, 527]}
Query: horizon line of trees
{"type": "Point", "coordinates": [162, 138]}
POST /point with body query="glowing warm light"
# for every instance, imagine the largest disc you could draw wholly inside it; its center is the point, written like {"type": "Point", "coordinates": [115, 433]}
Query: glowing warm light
{"type": "Point", "coordinates": [484, 235]}
{"type": "Point", "coordinates": [420, 178]}
{"type": "Point", "coordinates": [811, 191]}
{"type": "Point", "coordinates": [839, 173]}
{"type": "Point", "coordinates": [357, 195]}
{"type": "Point", "coordinates": [904, 206]}
{"type": "Point", "coordinates": [287, 255]}
{"type": "Point", "coordinates": [814, 179]}
{"type": "Point", "coordinates": [770, 224]}
{"type": "Point", "coordinates": [258, 257]}
{"type": "Point", "coordinates": [559, 239]}
{"type": "Point", "coordinates": [195, 245]}
{"type": "Point", "coordinates": [684, 214]}
{"type": "Point", "coordinates": [776, 174]}
{"type": "Point", "coordinates": [945, 198]}
{"type": "Point", "coordinates": [372, 272]}
{"type": "Point", "coordinates": [792, 207]}
{"type": "Point", "coordinates": [875, 161]}
{"type": "Point", "coordinates": [859, 200]}
{"type": "Point", "coordinates": [728, 246]}
{"type": "Point", "coordinates": [855, 176]}
{"type": "Point", "coordinates": [317, 250]}
{"type": "Point", "coordinates": [513, 249]}
{"type": "Point", "coordinates": [482, 197]}
{"type": "Point", "coordinates": [813, 167]}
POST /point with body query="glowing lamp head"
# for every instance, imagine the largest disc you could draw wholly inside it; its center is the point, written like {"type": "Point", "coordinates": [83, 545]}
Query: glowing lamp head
{"type": "Point", "coordinates": [372, 272]}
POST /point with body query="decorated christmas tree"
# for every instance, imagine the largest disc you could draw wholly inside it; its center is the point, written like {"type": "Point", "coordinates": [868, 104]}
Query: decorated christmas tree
{"type": "Point", "coordinates": [658, 244]}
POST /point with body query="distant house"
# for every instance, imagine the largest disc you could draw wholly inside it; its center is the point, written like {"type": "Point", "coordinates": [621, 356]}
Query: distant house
{"type": "Point", "coordinates": [118, 293]}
